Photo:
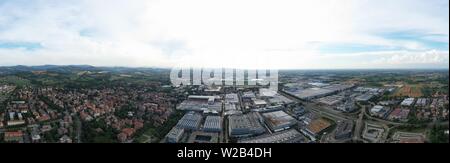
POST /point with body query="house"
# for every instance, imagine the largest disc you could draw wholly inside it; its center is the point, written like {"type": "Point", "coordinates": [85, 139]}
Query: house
{"type": "Point", "coordinates": [65, 139]}
{"type": "Point", "coordinates": [14, 136]}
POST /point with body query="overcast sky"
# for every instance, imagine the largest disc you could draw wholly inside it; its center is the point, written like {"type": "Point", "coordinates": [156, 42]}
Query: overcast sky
{"type": "Point", "coordinates": [311, 34]}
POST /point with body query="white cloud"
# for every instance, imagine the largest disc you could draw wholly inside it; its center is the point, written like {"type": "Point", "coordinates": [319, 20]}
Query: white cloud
{"type": "Point", "coordinates": [237, 33]}
{"type": "Point", "coordinates": [440, 58]}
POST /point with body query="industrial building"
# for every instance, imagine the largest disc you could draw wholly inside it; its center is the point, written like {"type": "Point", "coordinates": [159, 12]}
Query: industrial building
{"type": "Point", "coordinates": [278, 120]}
{"type": "Point", "coordinates": [203, 137]}
{"type": "Point", "coordinates": [299, 111]}
{"type": "Point", "coordinates": [190, 121]}
{"type": "Point", "coordinates": [269, 109]}
{"type": "Point", "coordinates": [279, 99]}
{"type": "Point", "coordinates": [248, 95]}
{"type": "Point", "coordinates": [232, 98]}
{"type": "Point", "coordinates": [408, 102]}
{"type": "Point", "coordinates": [213, 124]}
{"type": "Point", "coordinates": [175, 135]}
{"type": "Point", "coordinates": [338, 87]}
{"type": "Point", "coordinates": [258, 103]}
{"type": "Point", "coordinates": [202, 103]}
{"type": "Point", "coordinates": [267, 93]}
{"type": "Point", "coordinates": [368, 90]}
{"type": "Point", "coordinates": [373, 133]}
{"type": "Point", "coordinates": [347, 106]}
{"type": "Point", "coordinates": [316, 92]}
{"type": "Point", "coordinates": [388, 103]}
{"type": "Point", "coordinates": [317, 126]}
{"type": "Point", "coordinates": [344, 130]}
{"type": "Point", "coordinates": [399, 114]}
{"type": "Point", "coordinates": [288, 136]}
{"type": "Point", "coordinates": [213, 89]}
{"type": "Point", "coordinates": [245, 125]}
{"type": "Point", "coordinates": [272, 97]}
{"type": "Point", "coordinates": [380, 111]}
{"type": "Point", "coordinates": [422, 102]}
{"type": "Point", "coordinates": [364, 97]}
{"type": "Point", "coordinates": [331, 100]}
{"type": "Point", "coordinates": [311, 93]}
{"type": "Point", "coordinates": [231, 109]}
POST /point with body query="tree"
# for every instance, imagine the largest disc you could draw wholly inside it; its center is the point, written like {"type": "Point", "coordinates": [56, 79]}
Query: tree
{"type": "Point", "coordinates": [438, 135]}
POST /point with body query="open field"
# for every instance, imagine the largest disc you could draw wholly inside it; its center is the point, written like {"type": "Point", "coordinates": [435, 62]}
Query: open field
{"type": "Point", "coordinates": [410, 91]}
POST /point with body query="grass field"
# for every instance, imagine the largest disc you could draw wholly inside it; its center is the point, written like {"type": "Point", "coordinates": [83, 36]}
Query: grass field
{"type": "Point", "coordinates": [14, 80]}
{"type": "Point", "coordinates": [147, 136]}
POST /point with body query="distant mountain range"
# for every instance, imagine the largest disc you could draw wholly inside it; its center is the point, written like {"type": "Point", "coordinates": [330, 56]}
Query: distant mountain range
{"type": "Point", "coordinates": [71, 68]}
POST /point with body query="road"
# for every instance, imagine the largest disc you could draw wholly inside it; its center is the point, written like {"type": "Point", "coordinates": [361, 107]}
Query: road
{"type": "Point", "coordinates": [327, 112]}
{"type": "Point", "coordinates": [359, 125]}
{"type": "Point", "coordinates": [224, 125]}
{"type": "Point", "coordinates": [334, 114]}
{"type": "Point", "coordinates": [148, 138]}
{"type": "Point", "coordinates": [78, 128]}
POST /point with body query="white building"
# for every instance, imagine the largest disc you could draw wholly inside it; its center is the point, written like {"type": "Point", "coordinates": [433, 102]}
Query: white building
{"type": "Point", "coordinates": [408, 102]}
{"type": "Point", "coordinates": [175, 135]}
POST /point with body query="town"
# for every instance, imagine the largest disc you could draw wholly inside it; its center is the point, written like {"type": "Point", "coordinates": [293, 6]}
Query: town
{"type": "Point", "coordinates": [128, 105]}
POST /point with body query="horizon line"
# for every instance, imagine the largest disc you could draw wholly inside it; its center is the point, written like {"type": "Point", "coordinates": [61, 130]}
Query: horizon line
{"type": "Point", "coordinates": [168, 67]}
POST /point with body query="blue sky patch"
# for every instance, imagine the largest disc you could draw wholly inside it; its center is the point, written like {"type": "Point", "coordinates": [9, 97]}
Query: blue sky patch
{"type": "Point", "coordinates": [342, 48]}
{"type": "Point", "coordinates": [20, 45]}
{"type": "Point", "coordinates": [87, 32]}
{"type": "Point", "coordinates": [420, 38]}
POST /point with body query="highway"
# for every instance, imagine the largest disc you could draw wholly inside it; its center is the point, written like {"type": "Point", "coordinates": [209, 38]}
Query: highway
{"type": "Point", "coordinates": [358, 126]}
{"type": "Point", "coordinates": [334, 114]}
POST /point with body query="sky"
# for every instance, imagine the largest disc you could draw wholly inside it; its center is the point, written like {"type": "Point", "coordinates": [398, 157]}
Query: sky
{"type": "Point", "coordinates": [276, 34]}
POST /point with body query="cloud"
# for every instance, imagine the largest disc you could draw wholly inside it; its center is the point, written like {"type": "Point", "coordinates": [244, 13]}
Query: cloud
{"type": "Point", "coordinates": [439, 58]}
{"type": "Point", "coordinates": [249, 33]}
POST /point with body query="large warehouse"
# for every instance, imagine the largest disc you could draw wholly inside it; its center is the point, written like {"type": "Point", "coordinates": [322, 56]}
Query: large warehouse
{"type": "Point", "coordinates": [288, 136]}
{"type": "Point", "coordinates": [278, 120]}
{"type": "Point", "coordinates": [245, 125]}
{"type": "Point", "coordinates": [316, 92]}
{"type": "Point", "coordinates": [213, 124]}
{"type": "Point", "coordinates": [190, 121]}
{"type": "Point", "coordinates": [201, 103]}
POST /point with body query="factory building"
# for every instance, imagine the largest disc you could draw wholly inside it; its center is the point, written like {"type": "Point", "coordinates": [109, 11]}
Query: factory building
{"type": "Point", "coordinates": [347, 106]}
{"type": "Point", "coordinates": [317, 126]}
{"type": "Point", "coordinates": [408, 102]}
{"type": "Point", "coordinates": [422, 102]}
{"type": "Point", "coordinates": [203, 137]}
{"type": "Point", "coordinates": [364, 98]}
{"type": "Point", "coordinates": [202, 103]}
{"type": "Point", "coordinates": [190, 121]}
{"type": "Point", "coordinates": [344, 130]}
{"type": "Point", "coordinates": [213, 124]}
{"type": "Point", "coordinates": [232, 98]}
{"type": "Point", "coordinates": [288, 136]}
{"type": "Point", "coordinates": [316, 92]}
{"type": "Point", "coordinates": [245, 125]}
{"type": "Point", "coordinates": [278, 120]}
{"type": "Point", "coordinates": [175, 135]}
